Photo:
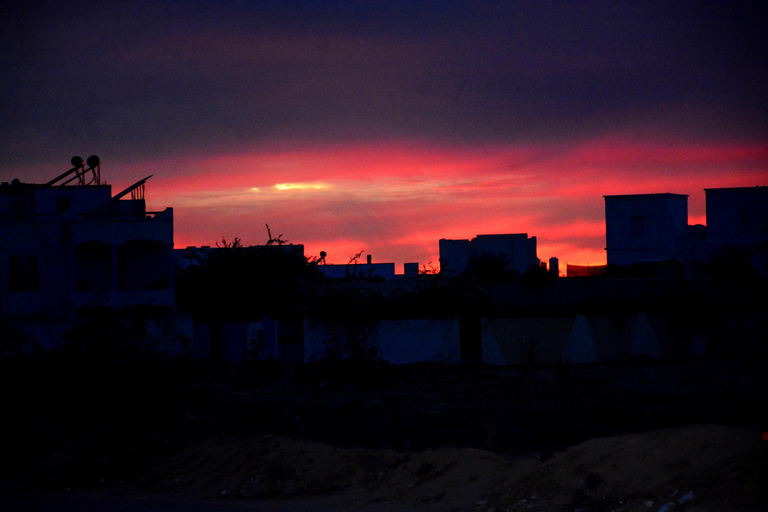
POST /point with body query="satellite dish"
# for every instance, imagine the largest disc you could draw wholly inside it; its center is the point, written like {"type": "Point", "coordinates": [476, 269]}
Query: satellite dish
{"type": "Point", "coordinates": [77, 162]}
{"type": "Point", "coordinates": [93, 161]}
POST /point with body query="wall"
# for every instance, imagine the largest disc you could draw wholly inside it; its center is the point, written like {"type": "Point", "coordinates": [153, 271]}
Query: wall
{"type": "Point", "coordinates": [577, 339]}
{"type": "Point", "coordinates": [400, 341]}
{"type": "Point", "coordinates": [644, 228]}
{"type": "Point", "coordinates": [78, 260]}
{"type": "Point", "coordinates": [519, 248]}
{"type": "Point", "coordinates": [738, 217]}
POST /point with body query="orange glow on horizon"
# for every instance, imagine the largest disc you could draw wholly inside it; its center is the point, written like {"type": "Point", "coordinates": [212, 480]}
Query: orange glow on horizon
{"type": "Point", "coordinates": [395, 200]}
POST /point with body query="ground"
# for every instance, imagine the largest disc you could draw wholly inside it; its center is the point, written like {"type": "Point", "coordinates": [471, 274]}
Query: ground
{"type": "Point", "coordinates": [632, 435]}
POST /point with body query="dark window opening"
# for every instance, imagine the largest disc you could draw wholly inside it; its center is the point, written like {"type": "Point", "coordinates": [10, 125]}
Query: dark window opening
{"type": "Point", "coordinates": [23, 274]}
{"type": "Point", "coordinates": [62, 204]}
{"type": "Point", "coordinates": [637, 225]}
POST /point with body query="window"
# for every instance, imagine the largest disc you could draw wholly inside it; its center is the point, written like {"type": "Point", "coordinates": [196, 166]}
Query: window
{"type": "Point", "coordinates": [62, 204]}
{"type": "Point", "coordinates": [637, 225]}
{"type": "Point", "coordinates": [23, 273]}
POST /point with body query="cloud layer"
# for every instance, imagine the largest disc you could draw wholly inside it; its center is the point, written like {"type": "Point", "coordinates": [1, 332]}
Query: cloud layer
{"type": "Point", "coordinates": [386, 126]}
{"type": "Point", "coordinates": [396, 200]}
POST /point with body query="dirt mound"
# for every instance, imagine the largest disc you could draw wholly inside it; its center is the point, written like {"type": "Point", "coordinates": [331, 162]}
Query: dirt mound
{"type": "Point", "coordinates": [703, 467]}
{"type": "Point", "coordinates": [589, 438]}
{"type": "Point", "coordinates": [275, 467]}
{"type": "Point", "coordinates": [695, 468]}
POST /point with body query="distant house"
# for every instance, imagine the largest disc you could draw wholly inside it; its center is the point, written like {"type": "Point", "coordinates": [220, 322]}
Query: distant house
{"type": "Point", "coordinates": [738, 218]}
{"type": "Point", "coordinates": [365, 271]}
{"type": "Point", "coordinates": [646, 228]}
{"type": "Point", "coordinates": [518, 249]}
{"type": "Point", "coordinates": [69, 247]}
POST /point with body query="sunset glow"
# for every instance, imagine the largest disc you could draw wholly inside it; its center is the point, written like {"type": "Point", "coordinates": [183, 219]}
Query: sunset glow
{"type": "Point", "coordinates": [385, 127]}
{"type": "Point", "coordinates": [405, 197]}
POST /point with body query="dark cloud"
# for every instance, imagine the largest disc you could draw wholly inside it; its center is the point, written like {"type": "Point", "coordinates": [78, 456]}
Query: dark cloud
{"type": "Point", "coordinates": [571, 100]}
{"type": "Point", "coordinates": [169, 79]}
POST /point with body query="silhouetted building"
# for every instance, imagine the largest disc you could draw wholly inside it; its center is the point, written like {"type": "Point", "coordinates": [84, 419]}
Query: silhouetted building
{"type": "Point", "coordinates": [518, 249]}
{"type": "Point", "coordinates": [554, 266]}
{"type": "Point", "coordinates": [585, 270]}
{"type": "Point", "coordinates": [410, 269]}
{"type": "Point", "coordinates": [737, 218]}
{"type": "Point", "coordinates": [366, 271]}
{"type": "Point", "coordinates": [70, 249]}
{"type": "Point", "coordinates": [646, 228]}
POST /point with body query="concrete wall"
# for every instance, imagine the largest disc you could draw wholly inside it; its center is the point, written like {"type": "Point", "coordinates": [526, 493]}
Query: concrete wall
{"type": "Point", "coordinates": [133, 245]}
{"type": "Point", "coordinates": [454, 255]}
{"type": "Point", "coordinates": [554, 340]}
{"type": "Point", "coordinates": [400, 341]}
{"type": "Point", "coordinates": [565, 292]}
{"type": "Point", "coordinates": [644, 228]}
{"type": "Point", "coordinates": [72, 260]}
{"type": "Point", "coordinates": [525, 341]}
{"type": "Point", "coordinates": [593, 339]}
{"type": "Point", "coordinates": [519, 248]}
{"type": "Point", "coordinates": [738, 217]}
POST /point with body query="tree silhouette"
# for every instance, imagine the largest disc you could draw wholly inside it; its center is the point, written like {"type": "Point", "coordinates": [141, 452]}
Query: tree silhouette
{"type": "Point", "coordinates": [275, 241]}
{"type": "Point", "coordinates": [240, 283]}
{"type": "Point", "coordinates": [734, 261]}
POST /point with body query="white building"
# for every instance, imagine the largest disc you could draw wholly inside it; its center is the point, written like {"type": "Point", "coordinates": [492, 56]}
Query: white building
{"type": "Point", "coordinates": [70, 247]}
{"type": "Point", "coordinates": [364, 271]}
{"type": "Point", "coordinates": [646, 228]}
{"type": "Point", "coordinates": [519, 249]}
{"type": "Point", "coordinates": [738, 217]}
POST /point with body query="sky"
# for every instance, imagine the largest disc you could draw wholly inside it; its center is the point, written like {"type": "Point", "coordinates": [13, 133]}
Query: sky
{"type": "Point", "coordinates": [385, 126]}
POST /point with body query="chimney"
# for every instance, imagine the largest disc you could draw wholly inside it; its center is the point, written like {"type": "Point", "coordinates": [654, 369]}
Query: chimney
{"type": "Point", "coordinates": [369, 259]}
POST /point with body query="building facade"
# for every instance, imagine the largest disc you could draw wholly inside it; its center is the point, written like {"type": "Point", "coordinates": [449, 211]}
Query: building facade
{"type": "Point", "coordinates": [738, 218]}
{"type": "Point", "coordinates": [66, 249]}
{"type": "Point", "coordinates": [646, 228]}
{"type": "Point", "coordinates": [519, 250]}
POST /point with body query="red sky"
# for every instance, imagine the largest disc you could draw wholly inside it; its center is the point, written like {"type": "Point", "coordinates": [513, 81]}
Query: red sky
{"type": "Point", "coordinates": [383, 127]}
{"type": "Point", "coordinates": [395, 200]}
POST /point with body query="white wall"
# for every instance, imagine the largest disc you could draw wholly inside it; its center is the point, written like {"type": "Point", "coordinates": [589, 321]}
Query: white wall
{"type": "Point", "coordinates": [400, 341]}
{"type": "Point", "coordinates": [664, 219]}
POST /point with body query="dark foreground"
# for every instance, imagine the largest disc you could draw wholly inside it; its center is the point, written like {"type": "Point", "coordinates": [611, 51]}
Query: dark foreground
{"type": "Point", "coordinates": [368, 436]}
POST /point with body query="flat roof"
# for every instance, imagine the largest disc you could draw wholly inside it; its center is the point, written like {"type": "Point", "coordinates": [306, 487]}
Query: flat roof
{"type": "Point", "coordinates": [648, 195]}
